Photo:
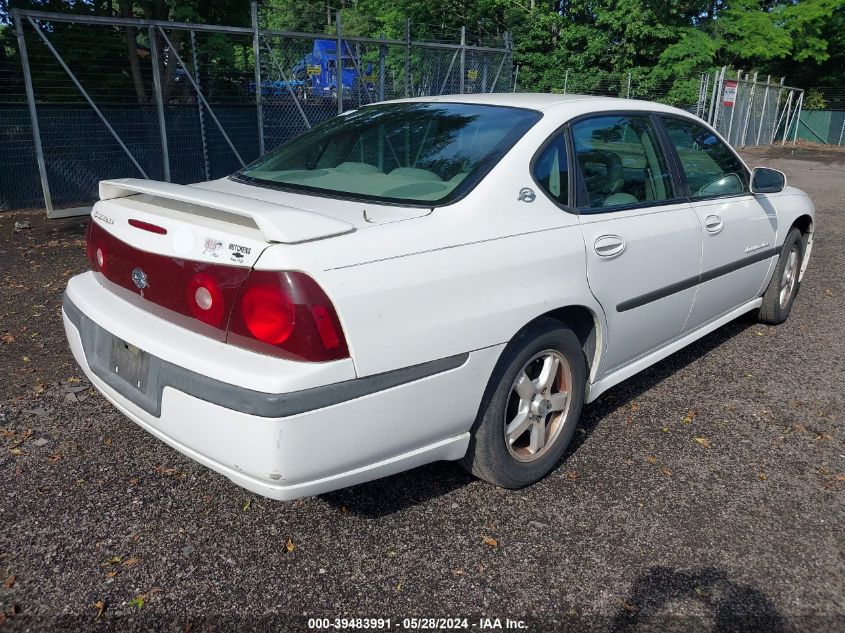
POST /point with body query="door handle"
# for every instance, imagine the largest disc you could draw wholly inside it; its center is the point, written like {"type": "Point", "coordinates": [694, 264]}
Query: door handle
{"type": "Point", "coordinates": [713, 223]}
{"type": "Point", "coordinates": [609, 245]}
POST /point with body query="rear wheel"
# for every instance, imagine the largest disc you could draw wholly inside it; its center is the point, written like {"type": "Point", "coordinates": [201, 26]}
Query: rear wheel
{"type": "Point", "coordinates": [531, 407]}
{"type": "Point", "coordinates": [781, 291]}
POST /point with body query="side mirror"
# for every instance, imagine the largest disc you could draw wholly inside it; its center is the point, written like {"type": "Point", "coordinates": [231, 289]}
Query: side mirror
{"type": "Point", "coordinates": [765, 180]}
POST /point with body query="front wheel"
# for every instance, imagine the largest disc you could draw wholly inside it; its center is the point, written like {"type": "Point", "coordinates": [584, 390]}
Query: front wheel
{"type": "Point", "coordinates": [781, 291]}
{"type": "Point", "coordinates": [530, 408]}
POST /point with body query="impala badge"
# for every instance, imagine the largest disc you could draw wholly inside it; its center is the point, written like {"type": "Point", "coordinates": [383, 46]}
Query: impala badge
{"type": "Point", "coordinates": [756, 247]}
{"type": "Point", "coordinates": [139, 278]}
{"type": "Point", "coordinates": [526, 194]}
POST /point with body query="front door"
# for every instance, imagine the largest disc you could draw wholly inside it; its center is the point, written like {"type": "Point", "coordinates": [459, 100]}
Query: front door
{"type": "Point", "coordinates": [643, 240]}
{"type": "Point", "coordinates": [739, 233]}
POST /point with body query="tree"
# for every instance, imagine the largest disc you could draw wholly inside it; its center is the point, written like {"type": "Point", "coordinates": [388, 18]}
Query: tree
{"type": "Point", "coordinates": [665, 45]}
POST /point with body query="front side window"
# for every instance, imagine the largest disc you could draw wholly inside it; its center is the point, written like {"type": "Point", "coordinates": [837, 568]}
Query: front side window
{"type": "Point", "coordinates": [621, 161]}
{"type": "Point", "coordinates": [711, 168]}
{"type": "Point", "coordinates": [406, 153]}
{"type": "Point", "coordinates": [551, 170]}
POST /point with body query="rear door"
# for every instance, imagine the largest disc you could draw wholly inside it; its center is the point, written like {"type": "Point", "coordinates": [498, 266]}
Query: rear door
{"type": "Point", "coordinates": [738, 232]}
{"type": "Point", "coordinates": [642, 238]}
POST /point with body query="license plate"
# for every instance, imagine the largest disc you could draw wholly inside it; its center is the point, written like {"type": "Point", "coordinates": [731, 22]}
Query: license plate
{"type": "Point", "coordinates": [129, 363]}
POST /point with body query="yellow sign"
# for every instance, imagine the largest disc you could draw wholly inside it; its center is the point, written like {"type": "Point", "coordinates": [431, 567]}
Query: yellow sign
{"type": "Point", "coordinates": [472, 74]}
{"type": "Point", "coordinates": [314, 70]}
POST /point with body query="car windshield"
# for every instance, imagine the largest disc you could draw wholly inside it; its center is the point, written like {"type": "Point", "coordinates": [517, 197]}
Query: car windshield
{"type": "Point", "coordinates": [411, 153]}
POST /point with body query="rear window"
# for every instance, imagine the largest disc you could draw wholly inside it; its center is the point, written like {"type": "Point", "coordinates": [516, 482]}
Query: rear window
{"type": "Point", "coordinates": [417, 153]}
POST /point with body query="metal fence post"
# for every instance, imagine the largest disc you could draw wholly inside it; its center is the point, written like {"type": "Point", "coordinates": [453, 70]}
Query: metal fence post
{"type": "Point", "coordinates": [407, 57]}
{"type": "Point", "coordinates": [463, 56]}
{"type": "Point", "coordinates": [784, 114]}
{"type": "Point", "coordinates": [703, 89]}
{"type": "Point", "coordinates": [712, 111]}
{"type": "Point", "coordinates": [382, 55]}
{"type": "Point", "coordinates": [33, 115]}
{"type": "Point", "coordinates": [338, 65]}
{"type": "Point", "coordinates": [253, 9]}
{"type": "Point", "coordinates": [718, 96]}
{"type": "Point", "coordinates": [162, 124]}
{"type": "Point", "coordinates": [733, 107]}
{"type": "Point", "coordinates": [199, 107]}
{"type": "Point", "coordinates": [509, 55]}
{"type": "Point", "coordinates": [841, 131]}
{"type": "Point", "coordinates": [798, 116]}
{"type": "Point", "coordinates": [763, 110]}
{"type": "Point", "coordinates": [566, 81]}
{"type": "Point", "coordinates": [629, 86]}
{"type": "Point", "coordinates": [776, 118]}
{"type": "Point", "coordinates": [748, 109]}
{"type": "Point", "coordinates": [786, 122]}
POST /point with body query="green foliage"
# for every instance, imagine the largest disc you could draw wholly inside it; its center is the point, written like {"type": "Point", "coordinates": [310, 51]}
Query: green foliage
{"type": "Point", "coordinates": [814, 100]}
{"type": "Point", "coordinates": [664, 44]}
{"type": "Point", "coordinates": [694, 52]}
{"type": "Point", "coordinates": [752, 34]}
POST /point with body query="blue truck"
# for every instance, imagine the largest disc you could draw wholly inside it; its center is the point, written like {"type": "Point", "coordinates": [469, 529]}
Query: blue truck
{"type": "Point", "coordinates": [314, 76]}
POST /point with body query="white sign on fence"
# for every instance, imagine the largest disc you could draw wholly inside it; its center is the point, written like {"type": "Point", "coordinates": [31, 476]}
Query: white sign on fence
{"type": "Point", "coordinates": [729, 93]}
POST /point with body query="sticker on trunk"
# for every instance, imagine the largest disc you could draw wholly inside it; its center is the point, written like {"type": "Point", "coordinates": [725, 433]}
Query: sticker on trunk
{"type": "Point", "coordinates": [212, 247]}
{"type": "Point", "coordinates": [238, 252]}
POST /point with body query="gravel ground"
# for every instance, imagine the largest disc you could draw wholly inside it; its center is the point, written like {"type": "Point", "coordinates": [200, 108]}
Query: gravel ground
{"type": "Point", "coordinates": [644, 526]}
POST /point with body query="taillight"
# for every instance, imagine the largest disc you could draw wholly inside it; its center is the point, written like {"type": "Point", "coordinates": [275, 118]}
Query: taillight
{"type": "Point", "coordinates": [286, 314]}
{"type": "Point", "coordinates": [94, 248]}
{"type": "Point", "coordinates": [199, 290]}
{"type": "Point", "coordinates": [205, 299]}
{"type": "Point", "coordinates": [268, 314]}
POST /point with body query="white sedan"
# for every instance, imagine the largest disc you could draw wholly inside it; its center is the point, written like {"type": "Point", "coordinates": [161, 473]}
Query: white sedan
{"type": "Point", "coordinates": [445, 278]}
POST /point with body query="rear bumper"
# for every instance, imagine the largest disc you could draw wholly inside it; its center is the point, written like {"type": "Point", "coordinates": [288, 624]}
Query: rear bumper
{"type": "Point", "coordinates": [349, 432]}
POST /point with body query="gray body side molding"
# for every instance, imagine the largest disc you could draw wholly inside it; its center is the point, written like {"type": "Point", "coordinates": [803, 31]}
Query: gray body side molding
{"type": "Point", "coordinates": [97, 342]}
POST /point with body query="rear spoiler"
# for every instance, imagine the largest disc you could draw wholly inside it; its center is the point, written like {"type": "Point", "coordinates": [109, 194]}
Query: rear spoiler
{"type": "Point", "coordinates": [277, 222]}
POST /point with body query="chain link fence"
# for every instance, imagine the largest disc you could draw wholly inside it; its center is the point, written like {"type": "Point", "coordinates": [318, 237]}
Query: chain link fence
{"type": "Point", "coordinates": [822, 126]}
{"type": "Point", "coordinates": [19, 178]}
{"type": "Point", "coordinates": [745, 110]}
{"type": "Point", "coordinates": [92, 98]}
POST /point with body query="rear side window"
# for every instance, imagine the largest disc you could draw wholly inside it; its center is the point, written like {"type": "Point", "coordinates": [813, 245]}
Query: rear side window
{"type": "Point", "coordinates": [551, 170]}
{"type": "Point", "coordinates": [711, 168]}
{"type": "Point", "coordinates": [621, 161]}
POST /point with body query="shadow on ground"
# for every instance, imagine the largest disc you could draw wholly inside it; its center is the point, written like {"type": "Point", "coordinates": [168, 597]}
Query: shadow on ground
{"type": "Point", "coordinates": [723, 605]}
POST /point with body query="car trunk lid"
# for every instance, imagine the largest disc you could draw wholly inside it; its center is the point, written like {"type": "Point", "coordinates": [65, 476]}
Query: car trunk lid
{"type": "Point", "coordinates": [360, 214]}
{"type": "Point", "coordinates": [274, 221]}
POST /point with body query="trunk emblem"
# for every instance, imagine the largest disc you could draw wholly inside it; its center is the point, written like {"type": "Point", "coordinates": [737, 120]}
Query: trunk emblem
{"type": "Point", "coordinates": [139, 278]}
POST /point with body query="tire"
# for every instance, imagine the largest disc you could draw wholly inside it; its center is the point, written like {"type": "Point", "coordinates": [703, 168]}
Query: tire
{"type": "Point", "coordinates": [524, 458]}
{"type": "Point", "coordinates": [782, 288]}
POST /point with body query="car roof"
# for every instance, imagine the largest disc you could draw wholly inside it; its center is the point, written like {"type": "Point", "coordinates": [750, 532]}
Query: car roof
{"type": "Point", "coordinates": [545, 101]}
